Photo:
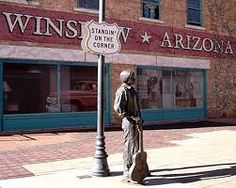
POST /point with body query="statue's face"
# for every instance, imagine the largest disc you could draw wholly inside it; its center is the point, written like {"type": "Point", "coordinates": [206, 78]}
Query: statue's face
{"type": "Point", "coordinates": [127, 77]}
{"type": "Point", "coordinates": [131, 80]}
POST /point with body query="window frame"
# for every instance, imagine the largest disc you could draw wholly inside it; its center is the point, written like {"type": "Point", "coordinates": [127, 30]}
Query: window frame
{"type": "Point", "coordinates": [25, 2]}
{"type": "Point", "coordinates": [173, 71]}
{"type": "Point", "coordinates": [34, 121]}
{"type": "Point", "coordinates": [158, 3]}
{"type": "Point", "coordinates": [157, 115]}
{"type": "Point", "coordinates": [85, 8]}
{"type": "Point", "coordinates": [195, 8]}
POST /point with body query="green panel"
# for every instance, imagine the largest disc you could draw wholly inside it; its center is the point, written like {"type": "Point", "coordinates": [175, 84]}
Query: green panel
{"type": "Point", "coordinates": [173, 114]}
{"type": "Point", "coordinates": [50, 121]}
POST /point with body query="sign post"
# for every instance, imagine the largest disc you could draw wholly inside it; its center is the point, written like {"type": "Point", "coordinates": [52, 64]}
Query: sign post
{"type": "Point", "coordinates": [100, 167]}
{"type": "Point", "coordinates": [101, 38]}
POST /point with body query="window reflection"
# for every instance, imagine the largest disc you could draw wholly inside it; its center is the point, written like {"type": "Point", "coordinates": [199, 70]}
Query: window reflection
{"type": "Point", "coordinates": [164, 89]}
{"type": "Point", "coordinates": [26, 87]}
{"type": "Point", "coordinates": [78, 89]}
{"type": "Point", "coordinates": [168, 96]}
{"type": "Point", "coordinates": [188, 89]}
{"type": "Point", "coordinates": [150, 88]}
{"type": "Point", "coordinates": [151, 9]}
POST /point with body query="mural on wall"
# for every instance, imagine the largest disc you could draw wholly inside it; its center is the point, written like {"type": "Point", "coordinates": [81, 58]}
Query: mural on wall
{"type": "Point", "coordinates": [38, 25]}
{"type": "Point", "coordinates": [223, 71]}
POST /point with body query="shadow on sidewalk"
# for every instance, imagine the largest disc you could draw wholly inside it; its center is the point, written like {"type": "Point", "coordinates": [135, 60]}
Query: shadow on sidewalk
{"type": "Point", "coordinates": [188, 177]}
{"type": "Point", "coordinates": [164, 177]}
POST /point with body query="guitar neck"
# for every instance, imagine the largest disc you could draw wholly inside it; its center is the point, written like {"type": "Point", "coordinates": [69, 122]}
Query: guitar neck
{"type": "Point", "coordinates": [140, 140]}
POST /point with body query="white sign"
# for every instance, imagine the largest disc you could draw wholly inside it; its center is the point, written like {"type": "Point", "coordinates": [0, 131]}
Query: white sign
{"type": "Point", "coordinates": [101, 38]}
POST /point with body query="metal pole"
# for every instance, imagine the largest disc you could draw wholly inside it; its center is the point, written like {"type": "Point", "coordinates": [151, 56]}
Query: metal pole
{"type": "Point", "coordinates": [100, 167]}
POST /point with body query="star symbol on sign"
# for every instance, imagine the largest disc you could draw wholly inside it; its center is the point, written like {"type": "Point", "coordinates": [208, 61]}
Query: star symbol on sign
{"type": "Point", "coordinates": [146, 37]}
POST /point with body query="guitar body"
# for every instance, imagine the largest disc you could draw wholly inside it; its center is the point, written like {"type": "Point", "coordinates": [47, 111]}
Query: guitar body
{"type": "Point", "coordinates": [139, 169]}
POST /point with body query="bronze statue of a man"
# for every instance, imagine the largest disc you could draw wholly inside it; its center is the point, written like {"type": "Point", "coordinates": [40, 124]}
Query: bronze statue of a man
{"type": "Point", "coordinates": [127, 107]}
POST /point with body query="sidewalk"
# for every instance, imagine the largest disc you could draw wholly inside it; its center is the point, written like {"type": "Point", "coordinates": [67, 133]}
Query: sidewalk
{"type": "Point", "coordinates": [191, 158]}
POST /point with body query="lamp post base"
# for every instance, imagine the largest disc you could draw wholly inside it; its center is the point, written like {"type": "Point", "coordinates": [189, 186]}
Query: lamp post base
{"type": "Point", "coordinates": [100, 166]}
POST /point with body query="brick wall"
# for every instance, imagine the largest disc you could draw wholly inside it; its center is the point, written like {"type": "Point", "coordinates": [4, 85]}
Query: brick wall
{"type": "Point", "coordinates": [64, 5]}
{"type": "Point", "coordinates": [221, 93]}
{"type": "Point", "coordinates": [218, 18]}
{"type": "Point", "coordinates": [172, 12]}
{"type": "Point", "coordinates": [123, 9]}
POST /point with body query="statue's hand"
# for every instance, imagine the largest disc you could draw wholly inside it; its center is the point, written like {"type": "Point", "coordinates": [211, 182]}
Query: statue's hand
{"type": "Point", "coordinates": [138, 122]}
{"type": "Point", "coordinates": [139, 127]}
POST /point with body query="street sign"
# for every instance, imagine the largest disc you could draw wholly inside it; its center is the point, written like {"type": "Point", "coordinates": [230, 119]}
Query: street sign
{"type": "Point", "coordinates": [101, 38]}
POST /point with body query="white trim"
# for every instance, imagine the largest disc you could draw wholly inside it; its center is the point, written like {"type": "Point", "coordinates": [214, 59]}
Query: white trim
{"type": "Point", "coordinates": [159, 61]}
{"type": "Point", "coordinates": [40, 53]}
{"type": "Point", "coordinates": [86, 10]}
{"type": "Point", "coordinates": [194, 27]}
{"type": "Point", "coordinates": [58, 54]}
{"type": "Point", "coordinates": [150, 20]}
{"type": "Point", "coordinates": [33, 2]}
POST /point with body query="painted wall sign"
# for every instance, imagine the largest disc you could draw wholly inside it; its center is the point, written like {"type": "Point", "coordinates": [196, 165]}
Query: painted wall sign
{"type": "Point", "coordinates": [63, 28]}
{"type": "Point", "coordinates": [196, 43]}
{"type": "Point", "coordinates": [101, 38]}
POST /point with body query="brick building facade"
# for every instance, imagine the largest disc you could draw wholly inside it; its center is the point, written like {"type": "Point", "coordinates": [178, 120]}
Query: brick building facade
{"type": "Point", "coordinates": [183, 53]}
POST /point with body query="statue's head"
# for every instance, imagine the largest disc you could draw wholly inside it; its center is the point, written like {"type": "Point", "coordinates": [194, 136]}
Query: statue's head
{"type": "Point", "coordinates": [127, 76]}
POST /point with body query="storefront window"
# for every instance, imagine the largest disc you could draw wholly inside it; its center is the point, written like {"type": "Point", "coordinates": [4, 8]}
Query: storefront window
{"type": "Point", "coordinates": [26, 87]}
{"type": "Point", "coordinates": [150, 88]}
{"type": "Point", "coordinates": [30, 88]}
{"type": "Point", "coordinates": [188, 89]}
{"type": "Point", "coordinates": [78, 89]}
{"type": "Point", "coordinates": [166, 89]}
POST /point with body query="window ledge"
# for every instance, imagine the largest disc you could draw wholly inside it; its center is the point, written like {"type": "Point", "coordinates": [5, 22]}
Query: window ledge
{"type": "Point", "coordinates": [150, 20]}
{"type": "Point", "coordinates": [195, 27]}
{"type": "Point", "coordinates": [21, 2]}
{"type": "Point", "coordinates": [86, 10]}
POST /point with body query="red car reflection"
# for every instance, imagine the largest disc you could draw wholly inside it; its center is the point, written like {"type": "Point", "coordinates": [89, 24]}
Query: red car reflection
{"type": "Point", "coordinates": [82, 97]}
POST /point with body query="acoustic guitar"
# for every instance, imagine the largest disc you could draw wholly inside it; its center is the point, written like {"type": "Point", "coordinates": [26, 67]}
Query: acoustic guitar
{"type": "Point", "coordinates": [139, 169]}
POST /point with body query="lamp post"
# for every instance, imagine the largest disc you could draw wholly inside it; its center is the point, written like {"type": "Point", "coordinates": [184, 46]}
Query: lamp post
{"type": "Point", "coordinates": [100, 166]}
